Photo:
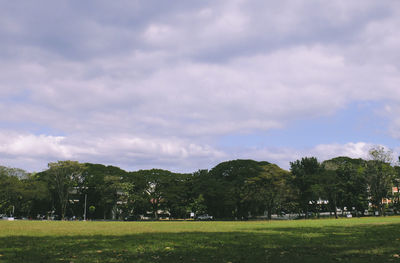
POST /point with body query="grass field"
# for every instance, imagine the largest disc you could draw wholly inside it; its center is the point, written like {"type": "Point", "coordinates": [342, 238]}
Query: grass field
{"type": "Point", "coordinates": [343, 240]}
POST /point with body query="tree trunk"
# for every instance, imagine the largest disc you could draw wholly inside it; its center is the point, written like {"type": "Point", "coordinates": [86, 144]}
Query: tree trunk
{"type": "Point", "coordinates": [63, 208]}
{"type": "Point", "coordinates": [335, 209]}
{"type": "Point", "coordinates": [156, 215]}
{"type": "Point", "coordinates": [155, 210]}
{"type": "Point", "coordinates": [269, 212]}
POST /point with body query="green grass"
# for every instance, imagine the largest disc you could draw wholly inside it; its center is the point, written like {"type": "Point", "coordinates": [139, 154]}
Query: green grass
{"type": "Point", "coordinates": [343, 240]}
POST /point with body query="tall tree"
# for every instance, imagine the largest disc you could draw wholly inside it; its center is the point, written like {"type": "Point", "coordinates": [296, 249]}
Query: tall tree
{"type": "Point", "coordinates": [379, 174]}
{"type": "Point", "coordinates": [153, 186]}
{"type": "Point", "coordinates": [10, 193]}
{"type": "Point", "coordinates": [306, 179]}
{"type": "Point", "coordinates": [177, 194]}
{"type": "Point", "coordinates": [344, 184]}
{"type": "Point", "coordinates": [227, 186]}
{"type": "Point", "coordinates": [136, 199]}
{"type": "Point", "coordinates": [396, 188]}
{"type": "Point", "coordinates": [267, 191]}
{"type": "Point", "coordinates": [64, 176]}
{"type": "Point", "coordinates": [35, 196]}
{"type": "Point", "coordinates": [102, 186]}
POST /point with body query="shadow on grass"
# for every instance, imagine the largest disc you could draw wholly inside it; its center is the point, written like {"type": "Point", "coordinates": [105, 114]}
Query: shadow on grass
{"type": "Point", "coordinates": [367, 243]}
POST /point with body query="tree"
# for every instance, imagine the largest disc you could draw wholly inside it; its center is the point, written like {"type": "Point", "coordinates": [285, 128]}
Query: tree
{"type": "Point", "coordinates": [226, 188]}
{"type": "Point", "coordinates": [396, 185]}
{"type": "Point", "coordinates": [64, 176]}
{"type": "Point", "coordinates": [344, 184]}
{"type": "Point", "coordinates": [135, 197]}
{"type": "Point", "coordinates": [177, 194]}
{"type": "Point", "coordinates": [10, 193]}
{"type": "Point", "coordinates": [214, 195]}
{"type": "Point", "coordinates": [92, 208]}
{"type": "Point", "coordinates": [379, 174]}
{"type": "Point", "coordinates": [306, 175]}
{"type": "Point", "coordinates": [267, 191]}
{"type": "Point", "coordinates": [155, 190]}
{"type": "Point", "coordinates": [103, 187]}
{"type": "Point", "coordinates": [198, 205]}
{"type": "Point", "coordinates": [34, 196]}
{"type": "Point", "coordinates": [152, 187]}
{"type": "Point", "coordinates": [379, 153]}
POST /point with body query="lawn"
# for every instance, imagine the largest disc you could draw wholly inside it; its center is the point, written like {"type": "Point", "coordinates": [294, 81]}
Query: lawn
{"type": "Point", "coordinates": [326, 240]}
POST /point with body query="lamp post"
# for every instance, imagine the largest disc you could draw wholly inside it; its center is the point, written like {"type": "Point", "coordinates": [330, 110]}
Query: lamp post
{"type": "Point", "coordinates": [84, 209]}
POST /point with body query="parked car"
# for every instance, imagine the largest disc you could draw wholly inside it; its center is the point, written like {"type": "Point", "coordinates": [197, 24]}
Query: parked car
{"type": "Point", "coordinates": [204, 217]}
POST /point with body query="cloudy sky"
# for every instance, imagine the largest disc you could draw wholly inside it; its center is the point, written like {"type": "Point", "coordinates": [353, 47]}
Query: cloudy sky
{"type": "Point", "coordinates": [184, 85]}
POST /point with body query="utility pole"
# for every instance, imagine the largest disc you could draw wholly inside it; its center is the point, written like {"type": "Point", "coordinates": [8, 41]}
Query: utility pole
{"type": "Point", "coordinates": [84, 210]}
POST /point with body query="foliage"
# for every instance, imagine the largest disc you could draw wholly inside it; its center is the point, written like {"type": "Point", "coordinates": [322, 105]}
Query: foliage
{"type": "Point", "coordinates": [21, 193]}
{"type": "Point", "coordinates": [227, 181]}
{"type": "Point", "coordinates": [268, 190]}
{"type": "Point", "coordinates": [237, 189]}
{"type": "Point", "coordinates": [101, 184]}
{"type": "Point", "coordinates": [64, 176]}
{"type": "Point", "coordinates": [379, 173]}
{"type": "Point", "coordinates": [92, 208]}
{"type": "Point", "coordinates": [10, 192]}
{"type": "Point", "coordinates": [306, 181]}
{"type": "Point", "coordinates": [344, 184]}
{"type": "Point", "coordinates": [396, 185]}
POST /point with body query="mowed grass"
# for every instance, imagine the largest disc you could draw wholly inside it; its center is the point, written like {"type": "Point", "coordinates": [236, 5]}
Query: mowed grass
{"type": "Point", "coordinates": [328, 240]}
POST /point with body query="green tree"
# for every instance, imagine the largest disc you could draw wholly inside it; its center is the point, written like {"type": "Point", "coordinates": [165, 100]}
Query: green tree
{"type": "Point", "coordinates": [135, 198]}
{"type": "Point", "coordinates": [154, 187]}
{"type": "Point", "coordinates": [214, 194]}
{"type": "Point", "coordinates": [242, 188]}
{"type": "Point", "coordinates": [396, 185]}
{"type": "Point", "coordinates": [198, 205]}
{"type": "Point", "coordinates": [306, 180]}
{"type": "Point", "coordinates": [10, 193]}
{"type": "Point", "coordinates": [35, 196]}
{"type": "Point", "coordinates": [380, 174]}
{"type": "Point", "coordinates": [268, 190]}
{"type": "Point", "coordinates": [229, 187]}
{"type": "Point", "coordinates": [344, 184]}
{"type": "Point", "coordinates": [177, 194]}
{"type": "Point", "coordinates": [103, 187]}
{"type": "Point", "coordinates": [64, 177]}
{"type": "Point", "coordinates": [21, 192]}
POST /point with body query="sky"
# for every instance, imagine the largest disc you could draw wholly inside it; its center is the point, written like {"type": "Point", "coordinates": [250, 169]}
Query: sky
{"type": "Point", "coordinates": [184, 85]}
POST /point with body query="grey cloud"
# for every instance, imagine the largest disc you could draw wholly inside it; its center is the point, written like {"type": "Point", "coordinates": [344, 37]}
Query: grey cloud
{"type": "Point", "coordinates": [83, 30]}
{"type": "Point", "coordinates": [251, 92]}
{"type": "Point", "coordinates": [191, 70]}
{"type": "Point", "coordinates": [77, 30]}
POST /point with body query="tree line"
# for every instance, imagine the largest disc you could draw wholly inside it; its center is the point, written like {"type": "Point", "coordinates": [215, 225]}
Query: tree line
{"type": "Point", "coordinates": [238, 189]}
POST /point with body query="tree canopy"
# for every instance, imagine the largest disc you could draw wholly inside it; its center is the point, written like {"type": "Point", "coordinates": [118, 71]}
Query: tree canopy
{"type": "Point", "coordinates": [236, 189]}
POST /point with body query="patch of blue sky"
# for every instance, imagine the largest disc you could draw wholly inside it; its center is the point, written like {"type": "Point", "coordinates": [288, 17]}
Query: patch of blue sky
{"type": "Point", "coordinates": [31, 128]}
{"type": "Point", "coordinates": [21, 97]}
{"type": "Point", "coordinates": [358, 122]}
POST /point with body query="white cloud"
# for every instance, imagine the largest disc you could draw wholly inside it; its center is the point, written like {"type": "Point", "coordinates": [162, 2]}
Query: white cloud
{"type": "Point", "coordinates": [124, 150]}
{"type": "Point", "coordinates": [283, 156]}
{"type": "Point", "coordinates": [156, 83]}
{"type": "Point", "coordinates": [30, 145]}
{"type": "Point", "coordinates": [353, 150]}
